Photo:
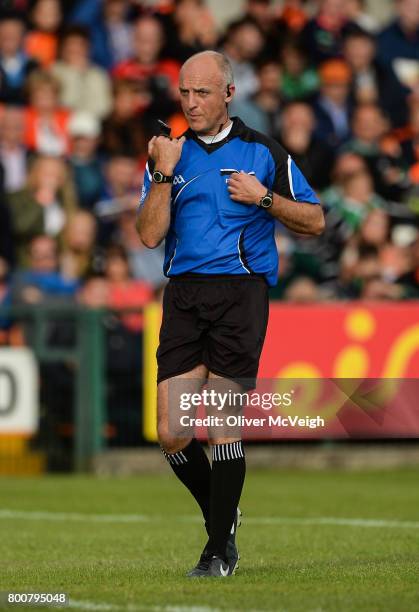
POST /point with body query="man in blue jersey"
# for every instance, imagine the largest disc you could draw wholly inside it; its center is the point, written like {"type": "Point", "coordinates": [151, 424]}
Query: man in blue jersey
{"type": "Point", "coordinates": [213, 195]}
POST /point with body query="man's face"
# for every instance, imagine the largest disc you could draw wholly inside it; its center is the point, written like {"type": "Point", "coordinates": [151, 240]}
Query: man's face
{"type": "Point", "coordinates": [298, 117]}
{"type": "Point", "coordinates": [11, 35]}
{"type": "Point", "coordinates": [43, 254]}
{"type": "Point", "coordinates": [333, 8]}
{"type": "Point", "coordinates": [248, 42]}
{"type": "Point", "coordinates": [75, 50]}
{"type": "Point", "coordinates": [337, 92]}
{"type": "Point", "coordinates": [203, 95]}
{"type": "Point", "coordinates": [359, 52]}
{"type": "Point", "coordinates": [368, 124]}
{"type": "Point", "coordinates": [12, 127]}
{"type": "Point", "coordinates": [120, 174]}
{"type": "Point", "coordinates": [408, 11]}
{"type": "Point", "coordinates": [147, 40]}
{"type": "Point", "coordinates": [95, 293]}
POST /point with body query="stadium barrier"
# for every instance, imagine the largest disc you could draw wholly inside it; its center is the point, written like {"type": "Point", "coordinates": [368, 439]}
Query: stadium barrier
{"type": "Point", "coordinates": [64, 349]}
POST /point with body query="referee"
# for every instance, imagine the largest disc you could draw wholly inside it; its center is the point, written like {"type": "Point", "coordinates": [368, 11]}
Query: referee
{"type": "Point", "coordinates": [214, 195]}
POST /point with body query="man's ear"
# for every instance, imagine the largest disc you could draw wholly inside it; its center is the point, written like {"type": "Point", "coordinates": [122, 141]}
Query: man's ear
{"type": "Point", "coordinates": [230, 90]}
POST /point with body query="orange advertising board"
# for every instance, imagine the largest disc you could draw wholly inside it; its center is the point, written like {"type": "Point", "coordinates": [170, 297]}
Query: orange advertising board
{"type": "Point", "coordinates": [352, 371]}
{"type": "Point", "coordinates": [355, 340]}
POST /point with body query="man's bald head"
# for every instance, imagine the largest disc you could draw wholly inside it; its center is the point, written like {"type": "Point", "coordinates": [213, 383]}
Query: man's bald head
{"type": "Point", "coordinates": [210, 61]}
{"type": "Point", "coordinates": [206, 87]}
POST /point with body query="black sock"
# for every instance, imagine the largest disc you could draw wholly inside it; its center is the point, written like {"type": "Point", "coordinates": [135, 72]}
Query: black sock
{"type": "Point", "coordinates": [192, 467]}
{"type": "Point", "coordinates": [227, 478]}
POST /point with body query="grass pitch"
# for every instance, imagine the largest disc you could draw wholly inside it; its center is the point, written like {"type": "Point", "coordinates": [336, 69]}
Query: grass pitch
{"type": "Point", "coordinates": [310, 541]}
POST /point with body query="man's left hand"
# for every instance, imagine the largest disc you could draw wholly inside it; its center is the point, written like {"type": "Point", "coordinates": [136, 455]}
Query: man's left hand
{"type": "Point", "coordinates": [245, 188]}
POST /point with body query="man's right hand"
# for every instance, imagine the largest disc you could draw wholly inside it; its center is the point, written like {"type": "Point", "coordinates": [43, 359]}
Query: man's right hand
{"type": "Point", "coordinates": [165, 153]}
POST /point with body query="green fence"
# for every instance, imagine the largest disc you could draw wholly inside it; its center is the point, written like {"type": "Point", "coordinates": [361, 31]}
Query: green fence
{"type": "Point", "coordinates": [85, 356]}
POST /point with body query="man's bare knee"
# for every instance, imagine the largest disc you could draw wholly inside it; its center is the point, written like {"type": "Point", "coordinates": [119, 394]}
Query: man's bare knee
{"type": "Point", "coordinates": [170, 443]}
{"type": "Point", "coordinates": [172, 436]}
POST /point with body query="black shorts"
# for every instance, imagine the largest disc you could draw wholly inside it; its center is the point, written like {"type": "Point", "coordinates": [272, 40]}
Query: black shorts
{"type": "Point", "coordinates": [218, 321]}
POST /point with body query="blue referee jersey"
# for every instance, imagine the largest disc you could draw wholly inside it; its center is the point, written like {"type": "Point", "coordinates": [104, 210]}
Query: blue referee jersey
{"type": "Point", "coordinates": [209, 232]}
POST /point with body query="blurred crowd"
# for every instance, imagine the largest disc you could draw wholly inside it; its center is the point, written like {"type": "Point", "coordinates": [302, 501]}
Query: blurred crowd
{"type": "Point", "coordinates": [83, 83]}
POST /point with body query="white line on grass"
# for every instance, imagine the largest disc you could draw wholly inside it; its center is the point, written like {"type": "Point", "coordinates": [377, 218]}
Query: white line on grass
{"type": "Point", "coordinates": [107, 607]}
{"type": "Point", "coordinates": [74, 516]}
{"type": "Point", "coordinates": [251, 520]}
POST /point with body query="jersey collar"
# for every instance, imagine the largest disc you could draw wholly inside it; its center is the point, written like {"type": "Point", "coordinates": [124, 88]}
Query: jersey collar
{"type": "Point", "coordinates": [236, 129]}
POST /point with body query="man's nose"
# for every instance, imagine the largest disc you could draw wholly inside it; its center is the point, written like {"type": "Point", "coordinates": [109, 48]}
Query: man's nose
{"type": "Point", "coordinates": [192, 100]}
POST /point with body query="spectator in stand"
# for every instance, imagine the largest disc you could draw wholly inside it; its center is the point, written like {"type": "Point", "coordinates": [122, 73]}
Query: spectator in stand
{"type": "Point", "coordinates": [369, 126]}
{"type": "Point", "coordinates": [94, 292]}
{"type": "Point", "coordinates": [375, 228]}
{"type": "Point", "coordinates": [40, 281]}
{"type": "Point", "coordinates": [309, 153]}
{"type": "Point", "coordinates": [78, 245]}
{"type": "Point", "coordinates": [341, 227]}
{"type": "Point", "coordinates": [44, 205]}
{"type": "Point", "coordinates": [364, 244]}
{"type": "Point", "coordinates": [356, 13]}
{"type": "Point", "coordinates": [190, 28]}
{"type": "Point", "coordinates": [397, 278]}
{"type": "Point", "coordinates": [332, 106]}
{"type": "Point", "coordinates": [145, 264]}
{"type": "Point", "coordinates": [13, 154]}
{"type": "Point", "coordinates": [84, 131]}
{"type": "Point", "coordinates": [124, 291]}
{"type": "Point", "coordinates": [84, 86]}
{"type": "Point", "coordinates": [125, 128]}
{"type": "Point", "coordinates": [398, 43]}
{"type": "Point", "coordinates": [146, 63]}
{"type": "Point", "coordinates": [243, 45]}
{"type": "Point", "coordinates": [15, 65]}
{"type": "Point", "coordinates": [367, 78]}
{"type": "Point", "coordinates": [264, 14]}
{"type": "Point", "coordinates": [46, 121]}
{"type": "Point", "coordinates": [121, 182]}
{"type": "Point", "coordinates": [111, 32]}
{"type": "Point", "coordinates": [352, 196]}
{"type": "Point", "coordinates": [358, 269]}
{"type": "Point", "coordinates": [323, 34]}
{"type": "Point", "coordinates": [41, 42]}
{"type": "Point", "coordinates": [371, 82]}
{"type": "Point", "coordinates": [261, 110]}
{"type": "Point", "coordinates": [124, 364]}
{"type": "Point", "coordinates": [299, 79]}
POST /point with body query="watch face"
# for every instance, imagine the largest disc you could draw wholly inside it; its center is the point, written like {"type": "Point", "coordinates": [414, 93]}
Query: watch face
{"type": "Point", "coordinates": [266, 202]}
{"type": "Point", "coordinates": [158, 176]}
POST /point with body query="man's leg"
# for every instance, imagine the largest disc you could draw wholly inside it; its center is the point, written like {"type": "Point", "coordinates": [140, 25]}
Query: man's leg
{"type": "Point", "coordinates": [228, 470]}
{"type": "Point", "coordinates": [185, 455]}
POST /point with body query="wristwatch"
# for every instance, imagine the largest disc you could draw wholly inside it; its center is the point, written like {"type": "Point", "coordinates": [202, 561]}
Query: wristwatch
{"type": "Point", "coordinates": [159, 177]}
{"type": "Point", "coordinates": [267, 200]}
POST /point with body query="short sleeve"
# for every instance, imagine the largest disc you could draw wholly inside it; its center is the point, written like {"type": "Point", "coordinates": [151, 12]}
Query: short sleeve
{"type": "Point", "coordinates": [291, 183]}
{"type": "Point", "coordinates": [146, 185]}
